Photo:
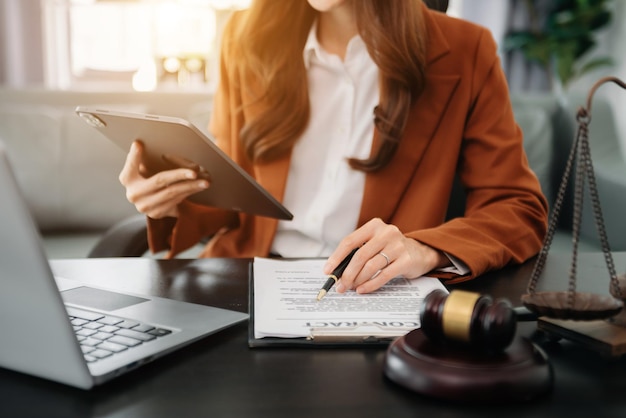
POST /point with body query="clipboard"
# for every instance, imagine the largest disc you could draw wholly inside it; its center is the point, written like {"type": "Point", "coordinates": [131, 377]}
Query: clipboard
{"type": "Point", "coordinates": [318, 337]}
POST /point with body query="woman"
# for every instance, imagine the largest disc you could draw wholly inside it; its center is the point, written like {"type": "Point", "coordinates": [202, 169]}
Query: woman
{"type": "Point", "coordinates": [357, 115]}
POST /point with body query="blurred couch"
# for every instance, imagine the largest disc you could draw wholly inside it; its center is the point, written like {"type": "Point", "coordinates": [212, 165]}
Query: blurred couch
{"type": "Point", "coordinates": [68, 171]}
{"type": "Point", "coordinates": [549, 163]}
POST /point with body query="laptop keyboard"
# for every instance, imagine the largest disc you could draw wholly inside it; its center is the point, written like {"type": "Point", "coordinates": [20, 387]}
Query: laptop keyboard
{"type": "Point", "coordinates": [101, 336]}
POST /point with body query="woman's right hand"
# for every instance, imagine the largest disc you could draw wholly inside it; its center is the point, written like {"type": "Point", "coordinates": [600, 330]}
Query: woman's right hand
{"type": "Point", "coordinates": [159, 195]}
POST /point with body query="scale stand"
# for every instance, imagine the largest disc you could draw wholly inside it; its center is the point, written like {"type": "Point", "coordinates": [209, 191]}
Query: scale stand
{"type": "Point", "coordinates": [589, 319]}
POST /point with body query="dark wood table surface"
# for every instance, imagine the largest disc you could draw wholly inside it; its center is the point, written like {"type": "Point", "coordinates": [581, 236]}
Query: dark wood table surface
{"type": "Point", "coordinates": [220, 376]}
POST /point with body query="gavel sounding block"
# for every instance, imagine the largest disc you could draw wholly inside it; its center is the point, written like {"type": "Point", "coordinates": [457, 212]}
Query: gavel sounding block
{"type": "Point", "coordinates": [521, 372]}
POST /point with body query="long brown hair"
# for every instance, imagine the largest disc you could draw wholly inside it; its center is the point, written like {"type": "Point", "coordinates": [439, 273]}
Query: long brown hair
{"type": "Point", "coordinates": [268, 47]}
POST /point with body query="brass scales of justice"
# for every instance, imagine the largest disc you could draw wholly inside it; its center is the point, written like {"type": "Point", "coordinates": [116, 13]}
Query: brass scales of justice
{"type": "Point", "coordinates": [594, 320]}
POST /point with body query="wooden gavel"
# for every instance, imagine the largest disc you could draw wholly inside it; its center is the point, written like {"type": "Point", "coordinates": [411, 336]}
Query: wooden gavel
{"type": "Point", "coordinates": [468, 318]}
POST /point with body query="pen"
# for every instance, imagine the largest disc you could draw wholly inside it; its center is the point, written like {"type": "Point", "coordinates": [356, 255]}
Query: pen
{"type": "Point", "coordinates": [335, 275]}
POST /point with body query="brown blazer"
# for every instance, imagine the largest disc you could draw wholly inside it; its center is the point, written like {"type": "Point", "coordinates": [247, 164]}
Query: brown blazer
{"type": "Point", "coordinates": [462, 122]}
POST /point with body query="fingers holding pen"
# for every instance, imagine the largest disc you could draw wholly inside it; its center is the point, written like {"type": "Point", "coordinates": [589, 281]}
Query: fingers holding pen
{"type": "Point", "coordinates": [374, 268]}
{"type": "Point", "coordinates": [384, 253]}
{"type": "Point", "coordinates": [367, 262]}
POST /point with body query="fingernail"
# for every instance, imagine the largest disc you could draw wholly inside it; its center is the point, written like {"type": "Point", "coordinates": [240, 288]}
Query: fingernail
{"type": "Point", "coordinates": [203, 184]}
{"type": "Point", "coordinates": [340, 288]}
{"type": "Point", "coordinates": [190, 174]}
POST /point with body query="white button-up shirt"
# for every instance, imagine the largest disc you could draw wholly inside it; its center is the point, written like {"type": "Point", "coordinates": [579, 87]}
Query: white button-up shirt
{"type": "Point", "coordinates": [323, 192]}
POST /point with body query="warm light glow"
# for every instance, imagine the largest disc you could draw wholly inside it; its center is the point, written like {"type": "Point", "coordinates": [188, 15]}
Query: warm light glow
{"type": "Point", "coordinates": [171, 64]}
{"type": "Point", "coordinates": [230, 4]}
{"type": "Point", "coordinates": [193, 64]}
{"type": "Point", "coordinates": [145, 79]}
{"type": "Point", "coordinates": [184, 29]}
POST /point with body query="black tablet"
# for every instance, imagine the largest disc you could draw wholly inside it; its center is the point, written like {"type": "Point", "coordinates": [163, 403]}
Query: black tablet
{"type": "Point", "coordinates": [171, 142]}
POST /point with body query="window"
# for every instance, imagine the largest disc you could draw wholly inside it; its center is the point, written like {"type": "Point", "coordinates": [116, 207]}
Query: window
{"type": "Point", "coordinates": [136, 44]}
{"type": "Point", "coordinates": [143, 44]}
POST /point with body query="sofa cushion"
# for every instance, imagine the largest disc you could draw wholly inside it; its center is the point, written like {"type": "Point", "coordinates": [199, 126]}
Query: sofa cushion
{"type": "Point", "coordinates": [534, 116]}
{"type": "Point", "coordinates": [65, 171]}
{"type": "Point", "coordinates": [68, 171]}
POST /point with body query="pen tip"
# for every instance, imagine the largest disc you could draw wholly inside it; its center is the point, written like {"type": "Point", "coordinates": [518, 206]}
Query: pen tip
{"type": "Point", "coordinates": [321, 294]}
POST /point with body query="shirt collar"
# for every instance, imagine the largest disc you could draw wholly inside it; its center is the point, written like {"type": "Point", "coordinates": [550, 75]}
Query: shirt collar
{"type": "Point", "coordinates": [312, 47]}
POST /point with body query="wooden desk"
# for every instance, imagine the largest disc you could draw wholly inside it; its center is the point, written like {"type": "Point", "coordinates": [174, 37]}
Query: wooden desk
{"type": "Point", "coordinates": [221, 377]}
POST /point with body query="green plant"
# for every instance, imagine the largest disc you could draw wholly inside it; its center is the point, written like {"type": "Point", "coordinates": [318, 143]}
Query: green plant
{"type": "Point", "coordinates": [559, 38]}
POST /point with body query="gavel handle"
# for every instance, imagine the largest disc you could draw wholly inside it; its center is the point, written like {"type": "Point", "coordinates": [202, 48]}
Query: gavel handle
{"type": "Point", "coordinates": [524, 314]}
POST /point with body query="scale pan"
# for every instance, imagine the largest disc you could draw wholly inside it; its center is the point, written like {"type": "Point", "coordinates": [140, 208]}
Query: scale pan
{"type": "Point", "coordinates": [586, 306]}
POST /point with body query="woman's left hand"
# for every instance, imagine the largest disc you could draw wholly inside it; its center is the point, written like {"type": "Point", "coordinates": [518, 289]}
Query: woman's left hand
{"type": "Point", "coordinates": [384, 253]}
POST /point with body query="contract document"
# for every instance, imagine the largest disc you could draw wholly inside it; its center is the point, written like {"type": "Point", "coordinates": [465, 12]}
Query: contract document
{"type": "Point", "coordinates": [285, 304]}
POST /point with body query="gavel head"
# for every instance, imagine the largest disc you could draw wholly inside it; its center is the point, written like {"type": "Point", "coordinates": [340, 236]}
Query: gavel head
{"type": "Point", "coordinates": [468, 318]}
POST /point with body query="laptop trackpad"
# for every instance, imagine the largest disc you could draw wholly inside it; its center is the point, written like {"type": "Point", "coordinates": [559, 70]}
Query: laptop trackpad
{"type": "Point", "coordinates": [99, 299]}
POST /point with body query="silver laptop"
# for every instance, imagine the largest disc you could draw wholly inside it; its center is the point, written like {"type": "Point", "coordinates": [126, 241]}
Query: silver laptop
{"type": "Point", "coordinates": [79, 335]}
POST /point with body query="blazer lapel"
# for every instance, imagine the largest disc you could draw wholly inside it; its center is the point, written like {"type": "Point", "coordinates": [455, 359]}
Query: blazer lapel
{"type": "Point", "coordinates": [383, 189]}
{"type": "Point", "coordinates": [273, 177]}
